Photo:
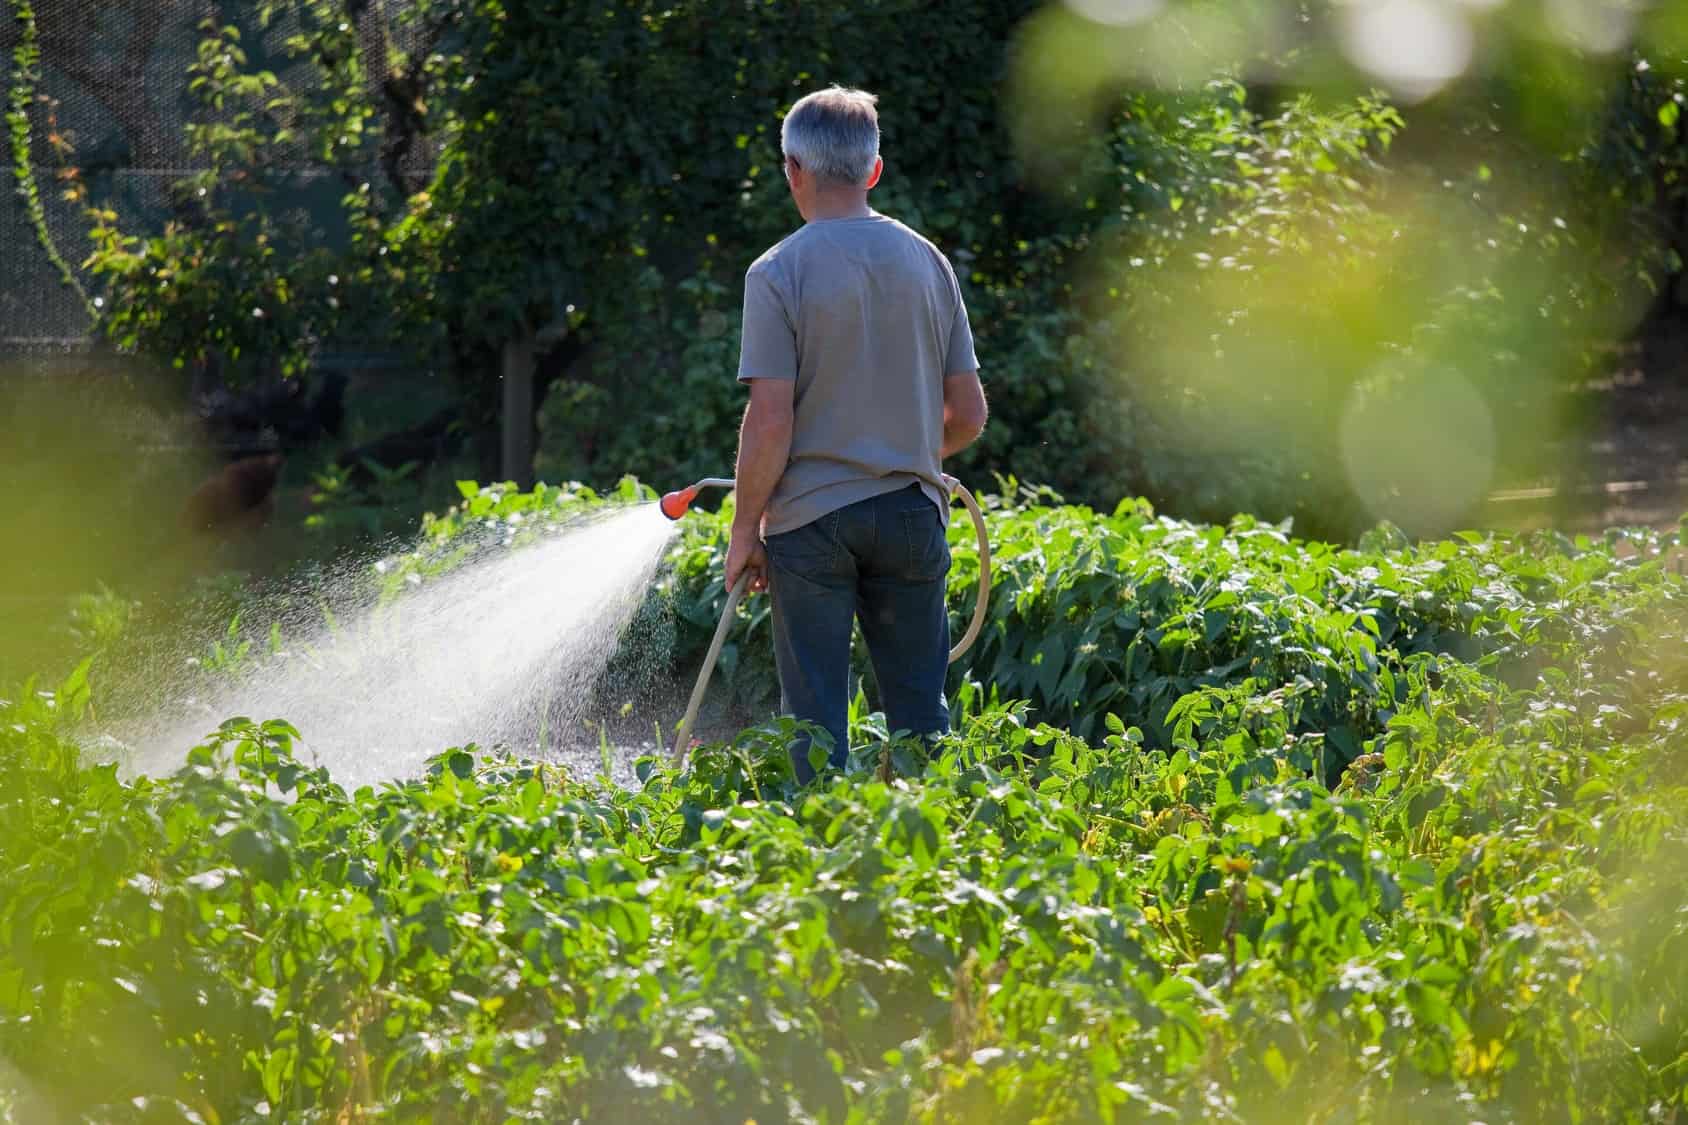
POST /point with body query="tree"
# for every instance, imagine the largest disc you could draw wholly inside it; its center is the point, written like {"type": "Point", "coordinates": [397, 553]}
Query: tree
{"type": "Point", "coordinates": [1181, 270]}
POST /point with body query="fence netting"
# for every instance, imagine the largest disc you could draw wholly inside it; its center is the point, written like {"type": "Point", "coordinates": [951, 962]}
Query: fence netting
{"type": "Point", "coordinates": [114, 80]}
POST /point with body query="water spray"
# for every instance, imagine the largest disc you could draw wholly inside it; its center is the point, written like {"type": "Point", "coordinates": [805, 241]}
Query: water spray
{"type": "Point", "coordinates": [678, 503]}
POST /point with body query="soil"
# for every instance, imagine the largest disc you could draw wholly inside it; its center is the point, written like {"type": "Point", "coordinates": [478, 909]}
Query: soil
{"type": "Point", "coordinates": [1627, 464]}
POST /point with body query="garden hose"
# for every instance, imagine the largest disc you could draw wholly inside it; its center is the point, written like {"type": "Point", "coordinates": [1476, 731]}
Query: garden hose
{"type": "Point", "coordinates": [675, 504]}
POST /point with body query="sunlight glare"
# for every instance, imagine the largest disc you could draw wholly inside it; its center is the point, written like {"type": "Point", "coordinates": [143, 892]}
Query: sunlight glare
{"type": "Point", "coordinates": [1117, 13]}
{"type": "Point", "coordinates": [1598, 27]}
{"type": "Point", "coordinates": [1419, 448]}
{"type": "Point", "coordinates": [1414, 46]}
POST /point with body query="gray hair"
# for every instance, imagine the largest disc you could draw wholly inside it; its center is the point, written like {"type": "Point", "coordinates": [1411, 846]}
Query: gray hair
{"type": "Point", "coordinates": [834, 135]}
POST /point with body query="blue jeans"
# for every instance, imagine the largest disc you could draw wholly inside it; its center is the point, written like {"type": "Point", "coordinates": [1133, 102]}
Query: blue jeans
{"type": "Point", "coordinates": [882, 560]}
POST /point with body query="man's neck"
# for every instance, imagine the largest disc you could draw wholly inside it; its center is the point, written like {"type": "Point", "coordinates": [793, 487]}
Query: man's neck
{"type": "Point", "coordinates": [839, 205]}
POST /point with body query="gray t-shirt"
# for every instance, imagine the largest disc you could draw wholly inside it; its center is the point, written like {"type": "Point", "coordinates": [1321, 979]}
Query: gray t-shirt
{"type": "Point", "coordinates": [867, 317]}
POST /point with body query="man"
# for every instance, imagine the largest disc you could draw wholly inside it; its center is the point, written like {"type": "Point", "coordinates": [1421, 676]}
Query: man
{"type": "Point", "coordinates": [862, 378]}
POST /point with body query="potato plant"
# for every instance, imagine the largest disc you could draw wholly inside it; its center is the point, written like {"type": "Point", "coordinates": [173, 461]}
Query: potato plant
{"type": "Point", "coordinates": [1233, 827]}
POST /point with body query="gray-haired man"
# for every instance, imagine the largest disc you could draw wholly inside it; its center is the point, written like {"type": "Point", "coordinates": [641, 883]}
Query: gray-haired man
{"type": "Point", "coordinates": [862, 378]}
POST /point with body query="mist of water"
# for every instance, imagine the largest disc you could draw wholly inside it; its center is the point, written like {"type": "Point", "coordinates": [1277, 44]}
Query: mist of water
{"type": "Point", "coordinates": [503, 651]}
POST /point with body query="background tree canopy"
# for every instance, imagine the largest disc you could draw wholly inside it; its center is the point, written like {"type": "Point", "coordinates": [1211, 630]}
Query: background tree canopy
{"type": "Point", "coordinates": [1228, 256]}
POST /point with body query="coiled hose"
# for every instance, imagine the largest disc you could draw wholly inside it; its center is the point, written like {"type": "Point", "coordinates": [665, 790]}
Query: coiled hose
{"type": "Point", "coordinates": [980, 606]}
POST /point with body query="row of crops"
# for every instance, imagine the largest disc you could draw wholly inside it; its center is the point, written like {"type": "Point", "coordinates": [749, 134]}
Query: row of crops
{"type": "Point", "coordinates": [1233, 827]}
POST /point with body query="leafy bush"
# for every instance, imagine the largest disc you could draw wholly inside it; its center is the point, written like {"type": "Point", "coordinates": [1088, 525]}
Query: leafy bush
{"type": "Point", "coordinates": [1137, 616]}
{"type": "Point", "coordinates": [1174, 917]}
{"type": "Point", "coordinates": [1209, 291]}
{"type": "Point", "coordinates": [234, 285]}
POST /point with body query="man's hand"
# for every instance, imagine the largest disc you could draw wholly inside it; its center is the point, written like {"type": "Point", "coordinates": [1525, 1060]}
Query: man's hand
{"type": "Point", "coordinates": [746, 555]}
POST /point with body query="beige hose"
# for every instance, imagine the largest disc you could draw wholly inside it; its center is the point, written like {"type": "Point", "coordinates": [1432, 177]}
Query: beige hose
{"type": "Point", "coordinates": [680, 739]}
{"type": "Point", "coordinates": [983, 602]}
{"type": "Point", "coordinates": [683, 735]}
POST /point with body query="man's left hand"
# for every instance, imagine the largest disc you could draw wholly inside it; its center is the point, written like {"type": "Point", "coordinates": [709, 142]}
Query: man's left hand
{"type": "Point", "coordinates": [746, 555]}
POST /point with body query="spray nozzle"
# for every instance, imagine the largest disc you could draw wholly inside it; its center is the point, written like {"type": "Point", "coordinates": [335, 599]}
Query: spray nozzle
{"type": "Point", "coordinates": [678, 503]}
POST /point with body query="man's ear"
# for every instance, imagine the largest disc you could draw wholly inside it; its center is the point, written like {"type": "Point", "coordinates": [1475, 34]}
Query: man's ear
{"type": "Point", "coordinates": [878, 169]}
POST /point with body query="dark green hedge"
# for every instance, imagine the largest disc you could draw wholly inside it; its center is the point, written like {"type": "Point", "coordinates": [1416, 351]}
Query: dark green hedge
{"type": "Point", "coordinates": [1222, 296]}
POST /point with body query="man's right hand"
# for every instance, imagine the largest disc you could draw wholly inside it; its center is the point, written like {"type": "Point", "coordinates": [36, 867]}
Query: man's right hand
{"type": "Point", "coordinates": [746, 555]}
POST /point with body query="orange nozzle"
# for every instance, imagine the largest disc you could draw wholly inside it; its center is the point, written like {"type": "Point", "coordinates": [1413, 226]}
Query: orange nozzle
{"type": "Point", "coordinates": [675, 504]}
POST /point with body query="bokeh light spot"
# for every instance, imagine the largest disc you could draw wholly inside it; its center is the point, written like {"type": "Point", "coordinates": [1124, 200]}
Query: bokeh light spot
{"type": "Point", "coordinates": [1117, 13]}
{"type": "Point", "coordinates": [1413, 46]}
{"type": "Point", "coordinates": [1591, 25]}
{"type": "Point", "coordinates": [1419, 448]}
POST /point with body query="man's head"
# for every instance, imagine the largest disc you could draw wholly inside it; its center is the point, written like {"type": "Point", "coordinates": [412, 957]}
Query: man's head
{"type": "Point", "coordinates": [831, 144]}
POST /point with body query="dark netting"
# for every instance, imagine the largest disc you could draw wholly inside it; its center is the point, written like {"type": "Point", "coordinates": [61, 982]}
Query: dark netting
{"type": "Point", "coordinates": [115, 72]}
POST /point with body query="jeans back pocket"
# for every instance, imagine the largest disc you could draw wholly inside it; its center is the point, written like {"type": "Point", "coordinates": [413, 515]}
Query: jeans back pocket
{"type": "Point", "coordinates": [811, 550]}
{"type": "Point", "coordinates": [928, 546]}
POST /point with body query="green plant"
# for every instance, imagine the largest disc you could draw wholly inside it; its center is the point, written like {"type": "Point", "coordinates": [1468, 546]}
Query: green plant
{"type": "Point", "coordinates": [1158, 622]}
{"type": "Point", "coordinates": [26, 76]}
{"type": "Point", "coordinates": [234, 285]}
{"type": "Point", "coordinates": [342, 508]}
{"type": "Point", "coordinates": [99, 621]}
{"type": "Point", "coordinates": [1028, 926]}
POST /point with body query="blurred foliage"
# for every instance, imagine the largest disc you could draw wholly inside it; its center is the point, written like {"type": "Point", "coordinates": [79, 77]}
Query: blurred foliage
{"type": "Point", "coordinates": [1192, 913]}
{"type": "Point", "coordinates": [1224, 255]}
{"type": "Point", "coordinates": [84, 512]}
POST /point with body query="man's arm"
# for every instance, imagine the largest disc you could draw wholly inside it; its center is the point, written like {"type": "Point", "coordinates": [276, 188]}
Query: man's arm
{"type": "Point", "coordinates": [764, 448]}
{"type": "Point", "coordinates": [965, 411]}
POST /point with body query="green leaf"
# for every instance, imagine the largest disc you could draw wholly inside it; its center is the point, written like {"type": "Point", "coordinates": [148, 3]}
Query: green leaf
{"type": "Point", "coordinates": [74, 694]}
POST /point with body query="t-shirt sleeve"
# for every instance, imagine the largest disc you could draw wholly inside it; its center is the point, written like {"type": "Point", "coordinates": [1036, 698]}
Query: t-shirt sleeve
{"type": "Point", "coordinates": [958, 357]}
{"type": "Point", "coordinates": [768, 345]}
